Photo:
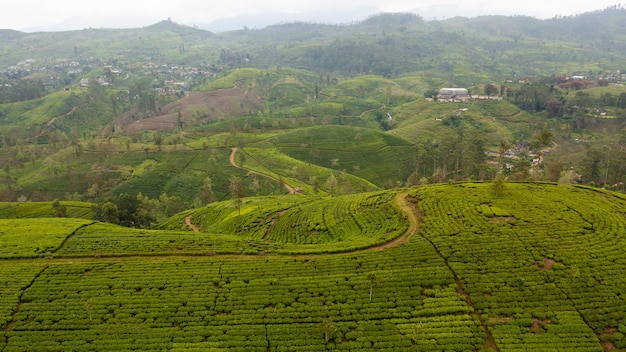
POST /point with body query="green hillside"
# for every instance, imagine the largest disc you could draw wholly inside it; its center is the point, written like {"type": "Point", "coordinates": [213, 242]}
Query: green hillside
{"type": "Point", "coordinates": [301, 224]}
{"type": "Point", "coordinates": [369, 154]}
{"type": "Point", "coordinates": [533, 267]}
{"type": "Point", "coordinates": [78, 210]}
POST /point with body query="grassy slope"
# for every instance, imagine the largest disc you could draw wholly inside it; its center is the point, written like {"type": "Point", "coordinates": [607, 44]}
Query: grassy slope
{"type": "Point", "coordinates": [539, 265]}
{"type": "Point", "coordinates": [78, 210]}
{"type": "Point", "coordinates": [369, 154]}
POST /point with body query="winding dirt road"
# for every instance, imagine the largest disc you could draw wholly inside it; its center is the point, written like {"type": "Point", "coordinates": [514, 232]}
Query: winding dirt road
{"type": "Point", "coordinates": [412, 212]}
{"type": "Point", "coordinates": [51, 121]}
{"type": "Point", "coordinates": [232, 162]}
{"type": "Point", "coordinates": [188, 221]}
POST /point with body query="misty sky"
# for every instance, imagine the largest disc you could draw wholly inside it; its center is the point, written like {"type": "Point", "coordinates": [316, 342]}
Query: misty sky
{"type": "Point", "coordinates": [40, 14]}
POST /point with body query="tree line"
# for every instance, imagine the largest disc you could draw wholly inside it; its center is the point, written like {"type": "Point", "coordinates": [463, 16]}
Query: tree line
{"type": "Point", "coordinates": [21, 90]}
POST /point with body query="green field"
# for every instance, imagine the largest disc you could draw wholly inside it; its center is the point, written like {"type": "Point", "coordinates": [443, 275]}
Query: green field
{"type": "Point", "coordinates": [366, 153]}
{"type": "Point", "coordinates": [537, 267]}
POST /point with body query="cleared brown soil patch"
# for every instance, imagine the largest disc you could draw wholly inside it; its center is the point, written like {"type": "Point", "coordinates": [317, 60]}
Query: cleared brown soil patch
{"type": "Point", "coordinates": [196, 106]}
{"type": "Point", "coordinates": [495, 320]}
{"type": "Point", "coordinates": [547, 264]}
{"type": "Point", "coordinates": [608, 346]}
{"type": "Point", "coordinates": [538, 325]}
{"type": "Point", "coordinates": [502, 220]}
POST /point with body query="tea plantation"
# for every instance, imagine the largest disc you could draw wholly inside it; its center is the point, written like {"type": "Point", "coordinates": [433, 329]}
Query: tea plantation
{"type": "Point", "coordinates": [533, 267]}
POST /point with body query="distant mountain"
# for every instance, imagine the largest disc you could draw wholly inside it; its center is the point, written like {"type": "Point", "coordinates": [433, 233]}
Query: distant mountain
{"type": "Point", "coordinates": [83, 22]}
{"type": "Point", "coordinates": [462, 50]}
{"type": "Point", "coordinates": [262, 20]}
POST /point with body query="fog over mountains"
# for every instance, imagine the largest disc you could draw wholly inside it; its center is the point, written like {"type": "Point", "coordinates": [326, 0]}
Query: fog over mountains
{"type": "Point", "coordinates": [246, 20]}
{"type": "Point", "coordinates": [255, 19]}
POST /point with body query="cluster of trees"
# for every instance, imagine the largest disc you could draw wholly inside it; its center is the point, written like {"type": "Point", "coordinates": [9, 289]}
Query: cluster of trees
{"type": "Point", "coordinates": [605, 166]}
{"type": "Point", "coordinates": [20, 90]}
{"type": "Point", "coordinates": [141, 211]}
{"type": "Point", "coordinates": [460, 154]}
{"type": "Point", "coordinates": [125, 210]}
{"type": "Point", "coordinates": [544, 95]}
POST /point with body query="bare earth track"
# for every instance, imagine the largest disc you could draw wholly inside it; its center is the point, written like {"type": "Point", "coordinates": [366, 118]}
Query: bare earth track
{"type": "Point", "coordinates": [232, 162]}
{"type": "Point", "coordinates": [401, 199]}
{"type": "Point", "coordinates": [188, 221]}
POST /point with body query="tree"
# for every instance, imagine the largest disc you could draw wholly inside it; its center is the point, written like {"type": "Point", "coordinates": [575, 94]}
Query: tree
{"type": "Point", "coordinates": [170, 205]}
{"type": "Point", "coordinates": [554, 170]}
{"type": "Point", "coordinates": [327, 328]}
{"type": "Point", "coordinates": [315, 183]}
{"type": "Point", "coordinates": [521, 170]}
{"type": "Point", "coordinates": [331, 184]}
{"type": "Point", "coordinates": [543, 138]}
{"type": "Point", "coordinates": [503, 147]}
{"type": "Point", "coordinates": [477, 158]}
{"type": "Point", "coordinates": [7, 176]}
{"type": "Point", "coordinates": [431, 93]}
{"type": "Point", "coordinates": [498, 186]}
{"type": "Point", "coordinates": [490, 89]}
{"type": "Point", "coordinates": [371, 278]}
{"type": "Point", "coordinates": [107, 212]}
{"type": "Point", "coordinates": [591, 164]}
{"type": "Point", "coordinates": [158, 140]}
{"type": "Point", "coordinates": [582, 99]}
{"type": "Point", "coordinates": [125, 210]}
{"type": "Point", "coordinates": [127, 206]}
{"type": "Point", "coordinates": [60, 210]}
{"type": "Point", "coordinates": [620, 102]}
{"type": "Point", "coordinates": [413, 179]}
{"type": "Point", "coordinates": [206, 191]}
{"type": "Point", "coordinates": [237, 190]}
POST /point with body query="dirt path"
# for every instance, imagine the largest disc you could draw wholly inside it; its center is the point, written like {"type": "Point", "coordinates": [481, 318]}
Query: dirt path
{"type": "Point", "coordinates": [190, 224]}
{"type": "Point", "coordinates": [402, 199]}
{"type": "Point", "coordinates": [545, 151]}
{"type": "Point", "coordinates": [232, 162]}
{"type": "Point", "coordinates": [412, 212]}
{"type": "Point", "coordinates": [51, 121]}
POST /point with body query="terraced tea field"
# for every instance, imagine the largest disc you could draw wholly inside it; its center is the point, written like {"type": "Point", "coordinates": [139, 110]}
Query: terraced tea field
{"type": "Point", "coordinates": [539, 268]}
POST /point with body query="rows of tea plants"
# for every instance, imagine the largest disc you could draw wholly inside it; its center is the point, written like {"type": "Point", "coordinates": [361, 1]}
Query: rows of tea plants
{"type": "Point", "coordinates": [179, 173]}
{"type": "Point", "coordinates": [12, 210]}
{"type": "Point", "coordinates": [543, 263]}
{"type": "Point", "coordinates": [299, 173]}
{"type": "Point", "coordinates": [403, 298]}
{"type": "Point", "coordinates": [28, 238]}
{"type": "Point", "coordinates": [362, 220]}
{"type": "Point", "coordinates": [252, 219]}
{"type": "Point", "coordinates": [562, 331]}
{"type": "Point", "coordinates": [111, 240]}
{"type": "Point", "coordinates": [366, 153]}
{"type": "Point", "coordinates": [14, 277]}
{"type": "Point", "coordinates": [300, 224]}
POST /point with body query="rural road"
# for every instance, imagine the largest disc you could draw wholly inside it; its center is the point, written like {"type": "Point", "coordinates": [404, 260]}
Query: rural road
{"type": "Point", "coordinates": [51, 121]}
{"type": "Point", "coordinates": [232, 162]}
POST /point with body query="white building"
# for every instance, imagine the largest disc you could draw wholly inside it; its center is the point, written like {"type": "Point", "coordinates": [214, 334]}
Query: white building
{"type": "Point", "coordinates": [453, 93]}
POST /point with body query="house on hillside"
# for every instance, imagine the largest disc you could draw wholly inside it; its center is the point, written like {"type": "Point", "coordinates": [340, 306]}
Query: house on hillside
{"type": "Point", "coordinates": [453, 94]}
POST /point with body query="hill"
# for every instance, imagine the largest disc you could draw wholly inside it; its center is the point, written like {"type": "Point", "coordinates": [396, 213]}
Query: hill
{"type": "Point", "coordinates": [532, 266]}
{"type": "Point", "coordinates": [464, 50]}
{"type": "Point", "coordinates": [369, 154]}
{"type": "Point", "coordinates": [114, 102]}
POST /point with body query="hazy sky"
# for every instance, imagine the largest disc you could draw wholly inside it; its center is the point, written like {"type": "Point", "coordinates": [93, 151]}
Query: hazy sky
{"type": "Point", "coordinates": [38, 14]}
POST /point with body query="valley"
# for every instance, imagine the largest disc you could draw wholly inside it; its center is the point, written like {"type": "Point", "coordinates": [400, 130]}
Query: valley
{"type": "Point", "coordinates": [393, 184]}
